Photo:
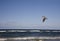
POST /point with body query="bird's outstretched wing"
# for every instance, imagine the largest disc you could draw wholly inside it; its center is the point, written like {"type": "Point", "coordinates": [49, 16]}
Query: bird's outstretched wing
{"type": "Point", "coordinates": [43, 18]}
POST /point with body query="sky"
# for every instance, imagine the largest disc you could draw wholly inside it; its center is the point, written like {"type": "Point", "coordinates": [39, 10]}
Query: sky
{"type": "Point", "coordinates": [27, 14]}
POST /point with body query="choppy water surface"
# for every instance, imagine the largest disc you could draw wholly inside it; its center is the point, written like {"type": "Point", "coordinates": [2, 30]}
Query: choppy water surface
{"type": "Point", "coordinates": [9, 35]}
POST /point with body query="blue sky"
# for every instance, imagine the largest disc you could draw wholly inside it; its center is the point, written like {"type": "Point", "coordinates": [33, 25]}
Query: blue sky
{"type": "Point", "coordinates": [21, 14]}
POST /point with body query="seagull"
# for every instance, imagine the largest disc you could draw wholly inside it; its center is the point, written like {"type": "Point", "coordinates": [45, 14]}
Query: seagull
{"type": "Point", "coordinates": [44, 18]}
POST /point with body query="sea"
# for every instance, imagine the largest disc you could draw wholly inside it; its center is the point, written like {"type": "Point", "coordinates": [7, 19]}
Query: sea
{"type": "Point", "coordinates": [29, 36]}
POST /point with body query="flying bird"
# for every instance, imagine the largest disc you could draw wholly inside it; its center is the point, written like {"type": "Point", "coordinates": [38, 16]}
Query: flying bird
{"type": "Point", "coordinates": [43, 18]}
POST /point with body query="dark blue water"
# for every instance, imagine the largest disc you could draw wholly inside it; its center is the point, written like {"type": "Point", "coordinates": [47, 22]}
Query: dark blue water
{"type": "Point", "coordinates": [27, 34]}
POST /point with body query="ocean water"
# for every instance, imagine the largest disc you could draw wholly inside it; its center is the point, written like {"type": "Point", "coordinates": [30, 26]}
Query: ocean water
{"type": "Point", "coordinates": [9, 35]}
{"type": "Point", "coordinates": [29, 34]}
